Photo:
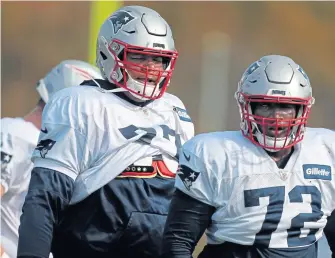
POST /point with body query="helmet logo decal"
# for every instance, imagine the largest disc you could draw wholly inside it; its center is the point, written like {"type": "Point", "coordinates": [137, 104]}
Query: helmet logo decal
{"type": "Point", "coordinates": [250, 70]}
{"type": "Point", "coordinates": [119, 19]}
{"type": "Point", "coordinates": [303, 73]}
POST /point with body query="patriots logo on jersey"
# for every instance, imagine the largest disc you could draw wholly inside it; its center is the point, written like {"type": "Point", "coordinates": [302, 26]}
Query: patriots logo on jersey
{"type": "Point", "coordinates": [119, 19]}
{"type": "Point", "coordinates": [187, 176]}
{"type": "Point", "coordinates": [5, 159]}
{"type": "Point", "coordinates": [44, 146]}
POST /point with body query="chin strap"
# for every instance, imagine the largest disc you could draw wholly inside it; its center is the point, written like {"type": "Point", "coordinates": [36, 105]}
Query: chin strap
{"type": "Point", "coordinates": [114, 90]}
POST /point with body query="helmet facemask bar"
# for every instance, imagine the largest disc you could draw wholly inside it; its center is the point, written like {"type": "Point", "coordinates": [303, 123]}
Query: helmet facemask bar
{"type": "Point", "coordinates": [146, 88]}
{"type": "Point", "coordinates": [254, 127]}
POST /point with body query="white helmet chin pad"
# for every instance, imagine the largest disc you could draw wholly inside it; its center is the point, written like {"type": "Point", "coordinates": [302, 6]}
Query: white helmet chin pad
{"type": "Point", "coordinates": [148, 90]}
{"type": "Point", "coordinates": [265, 141]}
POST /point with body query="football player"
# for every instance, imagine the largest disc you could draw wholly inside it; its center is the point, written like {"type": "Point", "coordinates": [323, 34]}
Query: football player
{"type": "Point", "coordinates": [105, 164]}
{"type": "Point", "coordinates": [19, 137]}
{"type": "Point", "coordinates": [264, 191]}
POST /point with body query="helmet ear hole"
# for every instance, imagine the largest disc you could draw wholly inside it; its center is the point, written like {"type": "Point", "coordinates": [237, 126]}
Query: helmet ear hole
{"type": "Point", "coordinates": [121, 55]}
{"type": "Point", "coordinates": [297, 110]}
{"type": "Point", "coordinates": [253, 106]}
{"type": "Point", "coordinates": [104, 57]}
{"type": "Point", "coordinates": [166, 62]}
{"type": "Point", "coordinates": [125, 76]}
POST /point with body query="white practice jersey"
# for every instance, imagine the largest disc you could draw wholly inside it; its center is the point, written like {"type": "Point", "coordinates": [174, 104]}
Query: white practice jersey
{"type": "Point", "coordinates": [92, 136]}
{"type": "Point", "coordinates": [255, 201]}
{"type": "Point", "coordinates": [18, 140]}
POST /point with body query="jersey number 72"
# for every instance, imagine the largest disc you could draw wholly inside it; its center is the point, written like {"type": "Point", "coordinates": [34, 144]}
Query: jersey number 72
{"type": "Point", "coordinates": [274, 212]}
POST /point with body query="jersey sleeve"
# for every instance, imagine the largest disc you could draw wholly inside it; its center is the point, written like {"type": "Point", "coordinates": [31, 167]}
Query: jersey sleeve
{"type": "Point", "coordinates": [63, 140]}
{"type": "Point", "coordinates": [185, 122]}
{"type": "Point", "coordinates": [195, 176]}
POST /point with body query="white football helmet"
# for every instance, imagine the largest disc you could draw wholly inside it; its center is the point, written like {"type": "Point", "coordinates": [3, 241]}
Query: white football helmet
{"type": "Point", "coordinates": [136, 30]}
{"type": "Point", "coordinates": [66, 74]}
{"type": "Point", "coordinates": [275, 79]}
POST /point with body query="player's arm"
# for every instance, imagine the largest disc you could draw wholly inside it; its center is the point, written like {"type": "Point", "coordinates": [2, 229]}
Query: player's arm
{"type": "Point", "coordinates": [48, 195]}
{"type": "Point", "coordinates": [58, 159]}
{"type": "Point", "coordinates": [187, 221]}
{"type": "Point", "coordinates": [191, 208]}
{"type": "Point", "coordinates": [330, 232]}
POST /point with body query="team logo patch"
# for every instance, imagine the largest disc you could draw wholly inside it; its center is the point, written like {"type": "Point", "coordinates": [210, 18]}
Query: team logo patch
{"type": "Point", "coordinates": [187, 176]}
{"type": "Point", "coordinates": [253, 67]}
{"type": "Point", "coordinates": [5, 159]}
{"type": "Point", "coordinates": [119, 19]}
{"type": "Point", "coordinates": [303, 73]}
{"type": "Point", "coordinates": [44, 146]}
{"type": "Point", "coordinates": [316, 171]}
{"type": "Point", "coordinates": [182, 113]}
